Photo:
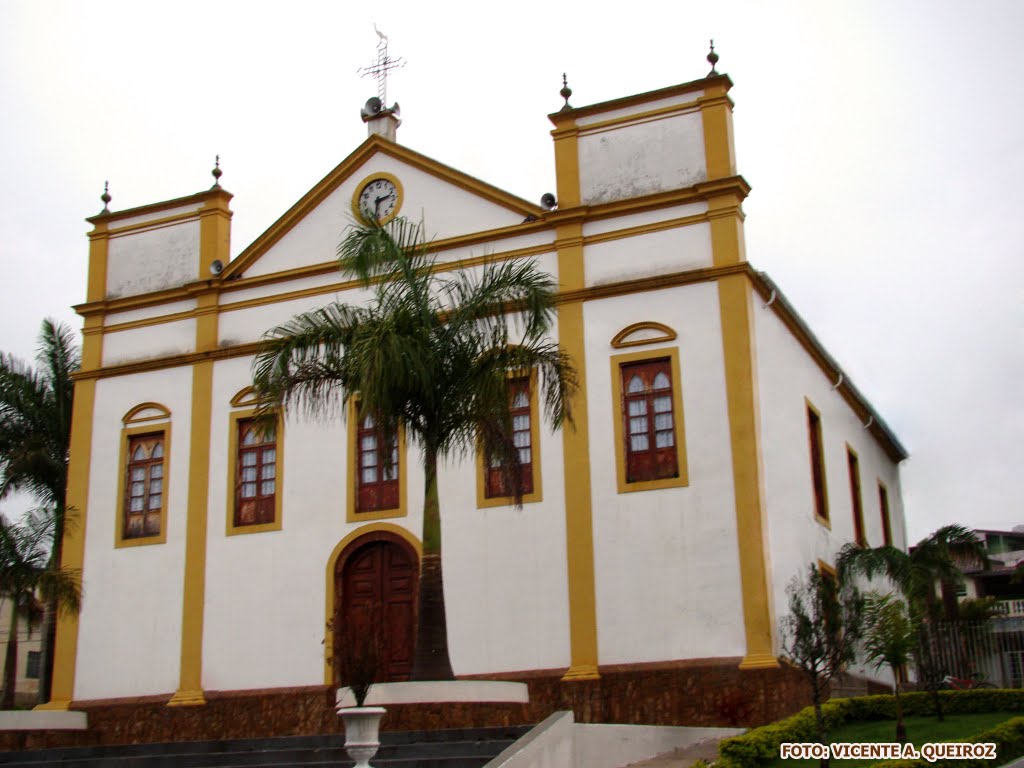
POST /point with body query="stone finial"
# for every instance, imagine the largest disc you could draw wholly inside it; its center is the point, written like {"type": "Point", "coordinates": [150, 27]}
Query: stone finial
{"type": "Point", "coordinates": [216, 173]}
{"type": "Point", "coordinates": [105, 197]}
{"type": "Point", "coordinates": [712, 60]}
{"type": "Point", "coordinates": [565, 93]}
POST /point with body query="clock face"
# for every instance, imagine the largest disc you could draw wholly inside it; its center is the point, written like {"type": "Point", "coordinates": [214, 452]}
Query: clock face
{"type": "Point", "coordinates": [378, 199]}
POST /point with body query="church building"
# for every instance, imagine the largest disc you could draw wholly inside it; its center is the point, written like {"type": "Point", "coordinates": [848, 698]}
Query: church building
{"type": "Point", "coordinates": [718, 449]}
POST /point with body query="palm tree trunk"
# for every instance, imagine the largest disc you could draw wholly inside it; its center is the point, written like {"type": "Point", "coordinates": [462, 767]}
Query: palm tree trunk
{"type": "Point", "coordinates": [11, 659]}
{"type": "Point", "coordinates": [431, 661]}
{"type": "Point", "coordinates": [49, 640]}
{"type": "Point", "coordinates": [901, 729]}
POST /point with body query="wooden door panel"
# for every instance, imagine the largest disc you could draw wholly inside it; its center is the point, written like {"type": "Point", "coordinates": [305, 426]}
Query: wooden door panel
{"type": "Point", "coordinates": [377, 585]}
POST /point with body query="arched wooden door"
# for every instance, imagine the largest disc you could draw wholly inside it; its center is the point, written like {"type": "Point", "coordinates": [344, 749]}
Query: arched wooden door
{"type": "Point", "coordinates": [375, 597]}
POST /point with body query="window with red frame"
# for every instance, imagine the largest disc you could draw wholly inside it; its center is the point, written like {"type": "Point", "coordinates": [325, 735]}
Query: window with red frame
{"type": "Point", "coordinates": [883, 504]}
{"type": "Point", "coordinates": [256, 477]}
{"type": "Point", "coordinates": [649, 420]}
{"type": "Point", "coordinates": [817, 464]}
{"type": "Point", "coordinates": [144, 491]}
{"type": "Point", "coordinates": [377, 469]}
{"type": "Point", "coordinates": [855, 501]}
{"type": "Point", "coordinates": [498, 484]}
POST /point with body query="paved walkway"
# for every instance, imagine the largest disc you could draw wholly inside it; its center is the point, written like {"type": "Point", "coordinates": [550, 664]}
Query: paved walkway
{"type": "Point", "coordinates": [683, 757]}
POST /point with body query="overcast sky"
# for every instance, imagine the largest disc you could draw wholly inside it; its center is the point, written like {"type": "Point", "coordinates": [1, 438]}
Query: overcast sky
{"type": "Point", "coordinates": [883, 141]}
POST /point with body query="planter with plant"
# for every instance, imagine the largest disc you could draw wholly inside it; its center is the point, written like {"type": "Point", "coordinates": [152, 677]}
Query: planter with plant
{"type": "Point", "coordinates": [358, 652]}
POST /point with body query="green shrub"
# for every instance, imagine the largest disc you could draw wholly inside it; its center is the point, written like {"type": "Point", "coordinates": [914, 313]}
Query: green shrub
{"type": "Point", "coordinates": [761, 745]}
{"type": "Point", "coordinates": [1008, 738]}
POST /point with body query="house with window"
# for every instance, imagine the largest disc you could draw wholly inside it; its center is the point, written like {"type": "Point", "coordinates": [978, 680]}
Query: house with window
{"type": "Point", "coordinates": [717, 448]}
{"type": "Point", "coordinates": [26, 678]}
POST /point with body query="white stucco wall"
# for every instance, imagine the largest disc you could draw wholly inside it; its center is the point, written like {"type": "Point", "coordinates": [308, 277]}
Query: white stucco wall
{"type": "Point", "coordinates": [641, 158]}
{"type": "Point", "coordinates": [137, 590]}
{"type": "Point", "coordinates": [148, 313]}
{"type": "Point", "coordinates": [149, 342]}
{"type": "Point", "coordinates": [265, 592]}
{"type": "Point", "coordinates": [504, 568]}
{"type": "Point", "coordinates": [447, 210]}
{"type": "Point", "coordinates": [788, 378]}
{"type": "Point", "coordinates": [506, 591]}
{"type": "Point", "coordinates": [666, 561]}
{"type": "Point", "coordinates": [152, 259]}
{"type": "Point", "coordinates": [654, 253]}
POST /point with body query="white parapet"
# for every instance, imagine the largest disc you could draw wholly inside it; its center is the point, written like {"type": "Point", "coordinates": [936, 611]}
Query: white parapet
{"type": "Point", "coordinates": [36, 720]}
{"type": "Point", "coordinates": [440, 692]}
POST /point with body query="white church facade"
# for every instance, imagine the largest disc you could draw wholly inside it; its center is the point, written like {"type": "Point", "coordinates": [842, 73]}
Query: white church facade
{"type": "Point", "coordinates": [717, 450]}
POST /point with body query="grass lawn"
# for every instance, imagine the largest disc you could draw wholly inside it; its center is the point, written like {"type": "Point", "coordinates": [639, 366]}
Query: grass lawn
{"type": "Point", "coordinates": [919, 731]}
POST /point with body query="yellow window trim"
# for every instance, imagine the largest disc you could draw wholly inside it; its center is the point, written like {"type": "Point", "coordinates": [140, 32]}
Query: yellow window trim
{"type": "Point", "coordinates": [482, 502]}
{"type": "Point", "coordinates": [244, 397]}
{"type": "Point", "coordinates": [136, 414]}
{"type": "Point", "coordinates": [617, 361]}
{"type": "Point", "coordinates": [351, 515]}
{"type": "Point", "coordinates": [622, 338]}
{"type": "Point", "coordinates": [231, 529]}
{"type": "Point", "coordinates": [126, 433]}
{"type": "Point", "coordinates": [824, 521]}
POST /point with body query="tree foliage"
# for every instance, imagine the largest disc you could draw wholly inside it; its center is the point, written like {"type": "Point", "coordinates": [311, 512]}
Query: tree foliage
{"type": "Point", "coordinates": [35, 440]}
{"type": "Point", "coordinates": [821, 633]}
{"type": "Point", "coordinates": [25, 573]}
{"type": "Point", "coordinates": [430, 352]}
{"type": "Point", "coordinates": [890, 640]}
{"type": "Point", "coordinates": [933, 560]}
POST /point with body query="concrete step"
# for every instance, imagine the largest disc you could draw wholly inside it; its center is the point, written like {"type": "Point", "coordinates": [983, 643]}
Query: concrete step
{"type": "Point", "coordinates": [455, 748]}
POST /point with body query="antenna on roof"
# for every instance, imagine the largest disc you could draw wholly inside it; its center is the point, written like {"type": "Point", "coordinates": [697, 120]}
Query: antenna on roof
{"type": "Point", "coordinates": [383, 64]}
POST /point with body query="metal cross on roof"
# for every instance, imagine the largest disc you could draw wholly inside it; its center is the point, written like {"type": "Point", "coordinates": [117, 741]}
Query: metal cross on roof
{"type": "Point", "coordinates": [383, 64]}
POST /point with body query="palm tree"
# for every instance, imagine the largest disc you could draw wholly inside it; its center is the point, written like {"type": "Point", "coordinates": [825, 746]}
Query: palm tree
{"type": "Point", "coordinates": [26, 571]}
{"type": "Point", "coordinates": [915, 573]}
{"type": "Point", "coordinates": [430, 354]}
{"type": "Point", "coordinates": [890, 640]}
{"type": "Point", "coordinates": [35, 436]}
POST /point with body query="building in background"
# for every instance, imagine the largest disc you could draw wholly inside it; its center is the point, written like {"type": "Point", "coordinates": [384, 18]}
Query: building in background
{"type": "Point", "coordinates": [718, 449]}
{"type": "Point", "coordinates": [26, 685]}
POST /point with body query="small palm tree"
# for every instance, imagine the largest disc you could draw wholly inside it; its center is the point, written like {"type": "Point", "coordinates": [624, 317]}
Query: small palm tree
{"type": "Point", "coordinates": [25, 572]}
{"type": "Point", "coordinates": [891, 640]}
{"type": "Point", "coordinates": [35, 437]}
{"type": "Point", "coordinates": [430, 354]}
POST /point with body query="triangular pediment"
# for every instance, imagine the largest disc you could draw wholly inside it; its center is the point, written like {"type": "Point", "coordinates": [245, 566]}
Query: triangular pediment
{"type": "Point", "coordinates": [449, 203]}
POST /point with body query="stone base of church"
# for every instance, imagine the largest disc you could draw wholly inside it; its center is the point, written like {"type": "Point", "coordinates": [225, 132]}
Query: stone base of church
{"type": "Point", "coordinates": [696, 692]}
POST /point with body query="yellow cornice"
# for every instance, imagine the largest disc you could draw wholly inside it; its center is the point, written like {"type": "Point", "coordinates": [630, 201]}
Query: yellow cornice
{"type": "Point", "coordinates": [346, 168]}
{"type": "Point", "coordinates": [721, 81]}
{"type": "Point", "coordinates": [868, 416]}
{"type": "Point", "coordinates": [637, 117]}
{"type": "Point", "coordinates": [106, 219]}
{"type": "Point", "coordinates": [736, 186]}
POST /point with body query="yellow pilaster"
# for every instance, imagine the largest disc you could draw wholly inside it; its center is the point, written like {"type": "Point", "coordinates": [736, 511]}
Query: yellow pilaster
{"type": "Point", "coordinates": [79, 463]}
{"type": "Point", "coordinates": [575, 439]}
{"type": "Point", "coordinates": [735, 298]}
{"type": "Point", "coordinates": [214, 243]}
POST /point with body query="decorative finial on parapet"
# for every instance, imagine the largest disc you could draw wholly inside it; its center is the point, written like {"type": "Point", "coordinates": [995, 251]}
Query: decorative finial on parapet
{"type": "Point", "coordinates": [565, 93]}
{"type": "Point", "coordinates": [105, 197]}
{"type": "Point", "coordinates": [712, 60]}
{"type": "Point", "coordinates": [216, 173]}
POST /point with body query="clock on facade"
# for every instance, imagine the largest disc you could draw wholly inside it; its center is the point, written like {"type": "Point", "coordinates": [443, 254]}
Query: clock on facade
{"type": "Point", "coordinates": [378, 197]}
